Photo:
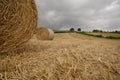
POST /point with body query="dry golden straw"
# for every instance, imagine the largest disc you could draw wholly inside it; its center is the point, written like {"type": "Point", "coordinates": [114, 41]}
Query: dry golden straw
{"type": "Point", "coordinates": [18, 20]}
{"type": "Point", "coordinates": [43, 33]}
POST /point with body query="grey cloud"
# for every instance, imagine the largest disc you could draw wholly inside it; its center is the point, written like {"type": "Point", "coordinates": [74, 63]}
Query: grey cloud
{"type": "Point", "coordinates": [86, 14]}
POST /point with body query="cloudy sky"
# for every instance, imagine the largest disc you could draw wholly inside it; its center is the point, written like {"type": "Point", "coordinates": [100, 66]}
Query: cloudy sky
{"type": "Point", "coordinates": [86, 14]}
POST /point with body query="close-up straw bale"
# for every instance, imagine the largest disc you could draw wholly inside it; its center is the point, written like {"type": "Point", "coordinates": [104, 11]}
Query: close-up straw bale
{"type": "Point", "coordinates": [43, 33]}
{"type": "Point", "coordinates": [18, 20]}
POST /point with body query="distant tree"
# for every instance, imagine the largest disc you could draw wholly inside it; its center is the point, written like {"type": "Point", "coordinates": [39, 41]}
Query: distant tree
{"type": "Point", "coordinates": [79, 29]}
{"type": "Point", "coordinates": [97, 30]}
{"type": "Point", "coordinates": [71, 29]}
{"type": "Point", "coordinates": [100, 31]}
{"type": "Point", "coordinates": [116, 31]}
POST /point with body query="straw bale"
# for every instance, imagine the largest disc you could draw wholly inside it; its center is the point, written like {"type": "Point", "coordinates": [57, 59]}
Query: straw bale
{"type": "Point", "coordinates": [18, 20]}
{"type": "Point", "coordinates": [51, 34]}
{"type": "Point", "coordinates": [43, 33]}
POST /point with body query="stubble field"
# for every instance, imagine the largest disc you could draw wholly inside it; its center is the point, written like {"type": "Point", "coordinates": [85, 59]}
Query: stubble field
{"type": "Point", "coordinates": [70, 56]}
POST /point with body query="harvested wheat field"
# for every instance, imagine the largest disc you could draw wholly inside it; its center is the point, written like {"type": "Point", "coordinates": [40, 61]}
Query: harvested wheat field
{"type": "Point", "coordinates": [70, 56]}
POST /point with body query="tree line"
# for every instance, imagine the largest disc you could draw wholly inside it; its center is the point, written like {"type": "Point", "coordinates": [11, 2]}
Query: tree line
{"type": "Point", "coordinates": [95, 30]}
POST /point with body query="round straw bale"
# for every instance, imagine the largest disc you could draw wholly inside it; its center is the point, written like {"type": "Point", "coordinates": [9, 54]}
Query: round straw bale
{"type": "Point", "coordinates": [51, 34]}
{"type": "Point", "coordinates": [43, 33]}
{"type": "Point", "coordinates": [18, 20]}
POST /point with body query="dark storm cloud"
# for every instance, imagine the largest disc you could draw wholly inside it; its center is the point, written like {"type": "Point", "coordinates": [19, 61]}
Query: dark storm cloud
{"type": "Point", "coordinates": [86, 14]}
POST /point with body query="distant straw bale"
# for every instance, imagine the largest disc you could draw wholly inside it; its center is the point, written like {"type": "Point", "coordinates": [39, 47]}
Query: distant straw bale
{"type": "Point", "coordinates": [18, 20]}
{"type": "Point", "coordinates": [51, 34]}
{"type": "Point", "coordinates": [43, 33]}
